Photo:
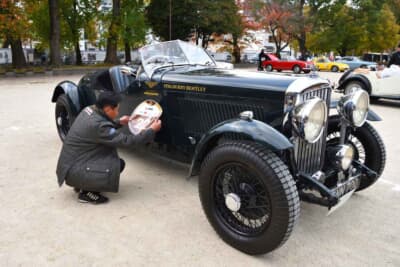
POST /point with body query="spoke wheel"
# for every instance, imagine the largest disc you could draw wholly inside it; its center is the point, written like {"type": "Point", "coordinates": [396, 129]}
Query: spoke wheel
{"type": "Point", "coordinates": [248, 196]}
{"type": "Point", "coordinates": [250, 210]}
{"type": "Point", "coordinates": [63, 116]}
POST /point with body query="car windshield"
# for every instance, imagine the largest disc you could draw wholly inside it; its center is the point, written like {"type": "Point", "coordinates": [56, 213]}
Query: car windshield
{"type": "Point", "coordinates": [173, 53]}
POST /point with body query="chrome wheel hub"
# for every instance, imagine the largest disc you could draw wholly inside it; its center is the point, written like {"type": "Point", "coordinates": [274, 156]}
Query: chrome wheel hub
{"type": "Point", "coordinates": [59, 121]}
{"type": "Point", "coordinates": [232, 202]}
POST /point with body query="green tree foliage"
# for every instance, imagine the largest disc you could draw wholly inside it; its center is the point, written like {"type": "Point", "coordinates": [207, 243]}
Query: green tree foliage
{"type": "Point", "coordinates": [342, 31]}
{"type": "Point", "coordinates": [113, 33]}
{"type": "Point", "coordinates": [200, 18]}
{"type": "Point", "coordinates": [182, 18]}
{"type": "Point", "coordinates": [78, 15]}
{"type": "Point", "coordinates": [382, 30]}
{"type": "Point", "coordinates": [362, 26]}
{"type": "Point", "coordinates": [133, 25]}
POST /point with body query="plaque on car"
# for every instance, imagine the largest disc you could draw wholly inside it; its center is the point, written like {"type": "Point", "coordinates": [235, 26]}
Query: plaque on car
{"type": "Point", "coordinates": [144, 115]}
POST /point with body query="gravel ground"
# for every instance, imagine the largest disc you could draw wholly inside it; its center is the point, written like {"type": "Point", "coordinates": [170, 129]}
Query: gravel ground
{"type": "Point", "coordinates": [156, 218]}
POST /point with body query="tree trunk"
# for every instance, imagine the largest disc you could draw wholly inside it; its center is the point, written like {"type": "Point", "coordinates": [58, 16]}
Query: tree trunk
{"type": "Point", "coordinates": [55, 56]}
{"type": "Point", "coordinates": [127, 52]}
{"type": "Point", "coordinates": [301, 38]}
{"type": "Point", "coordinates": [78, 54]}
{"type": "Point", "coordinates": [236, 50]}
{"type": "Point", "coordinates": [18, 56]}
{"type": "Point", "coordinates": [112, 40]}
{"type": "Point", "coordinates": [302, 45]}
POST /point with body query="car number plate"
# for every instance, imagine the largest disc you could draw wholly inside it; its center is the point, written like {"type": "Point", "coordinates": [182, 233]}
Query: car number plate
{"type": "Point", "coordinates": [342, 200]}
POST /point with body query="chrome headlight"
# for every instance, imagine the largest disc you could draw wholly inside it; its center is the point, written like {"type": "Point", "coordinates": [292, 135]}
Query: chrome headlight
{"type": "Point", "coordinates": [342, 156]}
{"type": "Point", "coordinates": [354, 107]}
{"type": "Point", "coordinates": [309, 119]}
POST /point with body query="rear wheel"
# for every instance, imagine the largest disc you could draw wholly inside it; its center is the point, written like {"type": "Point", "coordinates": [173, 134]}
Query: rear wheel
{"type": "Point", "coordinates": [249, 196]}
{"type": "Point", "coordinates": [64, 116]}
{"type": "Point", "coordinates": [269, 67]}
{"type": "Point", "coordinates": [296, 69]}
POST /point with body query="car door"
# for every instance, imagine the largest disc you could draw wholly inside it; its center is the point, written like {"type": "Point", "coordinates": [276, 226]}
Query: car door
{"type": "Point", "coordinates": [322, 65]}
{"type": "Point", "coordinates": [389, 86]}
{"type": "Point", "coordinates": [138, 91]}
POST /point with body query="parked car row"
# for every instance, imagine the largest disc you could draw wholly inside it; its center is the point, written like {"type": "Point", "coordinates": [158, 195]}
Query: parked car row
{"type": "Point", "coordinates": [271, 62]}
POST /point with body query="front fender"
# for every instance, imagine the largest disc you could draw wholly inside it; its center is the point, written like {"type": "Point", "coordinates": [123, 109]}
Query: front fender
{"type": "Point", "coordinates": [354, 77]}
{"type": "Point", "coordinates": [71, 90]}
{"type": "Point", "coordinates": [253, 130]}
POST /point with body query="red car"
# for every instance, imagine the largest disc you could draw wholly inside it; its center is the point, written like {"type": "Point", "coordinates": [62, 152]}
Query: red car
{"type": "Point", "coordinates": [272, 62]}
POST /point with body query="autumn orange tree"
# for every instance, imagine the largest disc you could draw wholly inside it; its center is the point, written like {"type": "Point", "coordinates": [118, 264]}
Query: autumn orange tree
{"type": "Point", "coordinates": [242, 23]}
{"type": "Point", "coordinates": [276, 19]}
{"type": "Point", "coordinates": [13, 29]}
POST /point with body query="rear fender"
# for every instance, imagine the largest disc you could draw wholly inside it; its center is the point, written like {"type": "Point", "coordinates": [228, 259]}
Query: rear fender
{"type": "Point", "coordinates": [253, 130]}
{"type": "Point", "coordinates": [71, 90]}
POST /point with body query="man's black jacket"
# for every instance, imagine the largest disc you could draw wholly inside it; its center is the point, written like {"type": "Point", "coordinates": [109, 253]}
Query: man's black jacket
{"type": "Point", "coordinates": [89, 158]}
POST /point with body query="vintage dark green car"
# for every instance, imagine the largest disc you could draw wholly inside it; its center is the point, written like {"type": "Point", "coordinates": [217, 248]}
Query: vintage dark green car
{"type": "Point", "coordinates": [259, 142]}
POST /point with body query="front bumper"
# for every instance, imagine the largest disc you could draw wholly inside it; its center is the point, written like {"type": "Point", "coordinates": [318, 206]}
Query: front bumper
{"type": "Point", "coordinates": [332, 196]}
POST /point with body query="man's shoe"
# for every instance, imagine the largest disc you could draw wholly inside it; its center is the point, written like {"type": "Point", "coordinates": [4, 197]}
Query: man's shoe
{"type": "Point", "coordinates": [77, 190]}
{"type": "Point", "coordinates": [91, 197]}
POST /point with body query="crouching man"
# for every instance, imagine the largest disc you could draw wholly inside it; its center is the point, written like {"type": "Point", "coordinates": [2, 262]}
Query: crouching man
{"type": "Point", "coordinates": [89, 161]}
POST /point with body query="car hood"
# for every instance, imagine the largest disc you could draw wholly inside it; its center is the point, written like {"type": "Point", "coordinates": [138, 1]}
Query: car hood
{"type": "Point", "coordinates": [217, 78]}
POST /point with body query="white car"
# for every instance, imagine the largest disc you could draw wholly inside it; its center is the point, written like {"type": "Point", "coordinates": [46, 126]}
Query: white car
{"type": "Point", "coordinates": [367, 80]}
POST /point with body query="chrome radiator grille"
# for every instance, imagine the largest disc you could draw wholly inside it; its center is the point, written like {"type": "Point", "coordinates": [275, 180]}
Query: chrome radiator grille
{"type": "Point", "coordinates": [310, 157]}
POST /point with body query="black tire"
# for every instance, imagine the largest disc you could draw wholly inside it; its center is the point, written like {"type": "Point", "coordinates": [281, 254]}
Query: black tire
{"type": "Point", "coordinates": [63, 116]}
{"type": "Point", "coordinates": [269, 68]}
{"type": "Point", "coordinates": [369, 148]}
{"type": "Point", "coordinates": [264, 180]}
{"type": "Point", "coordinates": [296, 69]}
{"type": "Point", "coordinates": [334, 69]}
{"type": "Point", "coordinates": [350, 86]}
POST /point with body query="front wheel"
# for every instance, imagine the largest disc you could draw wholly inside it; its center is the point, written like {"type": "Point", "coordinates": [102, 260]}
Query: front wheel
{"type": "Point", "coordinates": [269, 68]}
{"type": "Point", "coordinates": [354, 86]}
{"type": "Point", "coordinates": [335, 69]}
{"type": "Point", "coordinates": [64, 116]}
{"type": "Point", "coordinates": [368, 146]}
{"type": "Point", "coordinates": [296, 69]}
{"type": "Point", "coordinates": [248, 196]}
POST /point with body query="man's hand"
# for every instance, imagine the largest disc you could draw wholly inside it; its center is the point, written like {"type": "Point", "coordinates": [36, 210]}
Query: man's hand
{"type": "Point", "coordinates": [156, 126]}
{"type": "Point", "coordinates": [124, 120]}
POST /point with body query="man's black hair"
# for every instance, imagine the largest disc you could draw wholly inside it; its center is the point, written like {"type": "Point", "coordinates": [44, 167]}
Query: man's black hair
{"type": "Point", "coordinates": [108, 98]}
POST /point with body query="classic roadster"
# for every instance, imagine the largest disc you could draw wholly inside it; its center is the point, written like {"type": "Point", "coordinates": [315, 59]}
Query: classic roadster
{"type": "Point", "coordinates": [259, 142]}
{"type": "Point", "coordinates": [367, 80]}
{"type": "Point", "coordinates": [271, 62]}
{"type": "Point", "coordinates": [323, 63]}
